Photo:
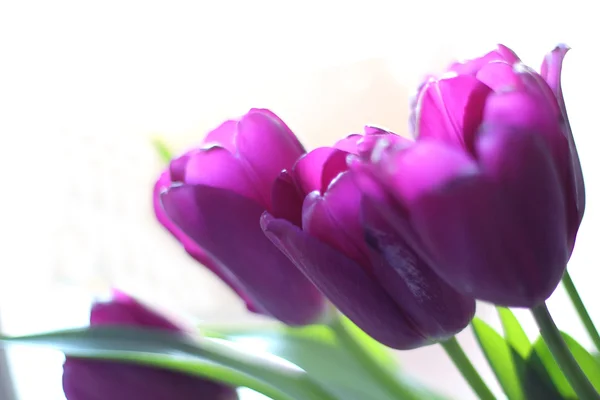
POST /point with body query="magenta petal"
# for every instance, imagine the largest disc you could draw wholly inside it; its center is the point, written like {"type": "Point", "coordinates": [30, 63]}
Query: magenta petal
{"type": "Point", "coordinates": [217, 167]}
{"type": "Point", "coordinates": [222, 136]}
{"type": "Point", "coordinates": [436, 309]}
{"type": "Point", "coordinates": [226, 226]}
{"type": "Point", "coordinates": [287, 199]}
{"type": "Point", "coordinates": [551, 72]}
{"type": "Point", "coordinates": [348, 144]}
{"type": "Point", "coordinates": [471, 67]}
{"type": "Point", "coordinates": [334, 218]}
{"type": "Point", "coordinates": [500, 236]}
{"type": "Point", "coordinates": [451, 109]}
{"type": "Point", "coordinates": [178, 165]}
{"type": "Point", "coordinates": [162, 185]}
{"type": "Point", "coordinates": [346, 284]}
{"type": "Point", "coordinates": [315, 170]}
{"type": "Point", "coordinates": [85, 379]}
{"type": "Point", "coordinates": [425, 165]}
{"type": "Point", "coordinates": [126, 311]}
{"type": "Point", "coordinates": [267, 146]}
{"type": "Point", "coordinates": [500, 76]}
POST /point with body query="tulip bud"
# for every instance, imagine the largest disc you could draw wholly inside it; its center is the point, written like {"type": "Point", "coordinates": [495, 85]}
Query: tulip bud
{"type": "Point", "coordinates": [354, 254]}
{"type": "Point", "coordinates": [85, 379]}
{"type": "Point", "coordinates": [211, 200]}
{"type": "Point", "coordinates": [492, 188]}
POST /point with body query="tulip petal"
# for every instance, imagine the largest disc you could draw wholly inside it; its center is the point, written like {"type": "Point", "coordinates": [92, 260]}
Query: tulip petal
{"type": "Point", "coordinates": [427, 165]}
{"type": "Point", "coordinates": [435, 308]}
{"type": "Point", "coordinates": [85, 379]}
{"type": "Point", "coordinates": [162, 185]}
{"type": "Point", "coordinates": [178, 165]}
{"type": "Point", "coordinates": [376, 138]}
{"type": "Point", "coordinates": [348, 144]}
{"type": "Point", "coordinates": [217, 167]}
{"type": "Point", "coordinates": [126, 311]}
{"type": "Point", "coordinates": [100, 380]}
{"type": "Point", "coordinates": [334, 218]}
{"type": "Point", "coordinates": [222, 136]}
{"type": "Point", "coordinates": [551, 71]}
{"type": "Point", "coordinates": [315, 170]}
{"type": "Point", "coordinates": [287, 199]}
{"type": "Point", "coordinates": [500, 77]}
{"type": "Point", "coordinates": [236, 242]}
{"type": "Point", "coordinates": [354, 291]}
{"type": "Point", "coordinates": [498, 236]}
{"type": "Point", "coordinates": [451, 110]}
{"type": "Point", "coordinates": [267, 146]}
{"type": "Point", "coordinates": [471, 67]}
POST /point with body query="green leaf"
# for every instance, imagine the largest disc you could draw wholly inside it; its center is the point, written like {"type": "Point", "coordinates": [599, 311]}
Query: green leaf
{"type": "Point", "coordinates": [514, 333]}
{"type": "Point", "coordinates": [315, 349]}
{"type": "Point", "coordinates": [376, 349]}
{"type": "Point", "coordinates": [212, 358]}
{"type": "Point", "coordinates": [518, 380]}
{"type": "Point", "coordinates": [165, 154]}
{"type": "Point", "coordinates": [541, 357]}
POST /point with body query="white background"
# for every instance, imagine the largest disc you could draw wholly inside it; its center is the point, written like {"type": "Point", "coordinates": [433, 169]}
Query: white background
{"type": "Point", "coordinates": [84, 86]}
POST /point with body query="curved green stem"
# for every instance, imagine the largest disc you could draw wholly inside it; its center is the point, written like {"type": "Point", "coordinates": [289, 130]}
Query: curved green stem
{"type": "Point", "coordinates": [581, 310]}
{"type": "Point", "coordinates": [378, 372]}
{"type": "Point", "coordinates": [581, 385]}
{"type": "Point", "coordinates": [468, 371]}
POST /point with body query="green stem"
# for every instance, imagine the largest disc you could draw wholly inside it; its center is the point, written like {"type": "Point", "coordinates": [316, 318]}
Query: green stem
{"type": "Point", "coordinates": [378, 372]}
{"type": "Point", "coordinates": [468, 371]}
{"type": "Point", "coordinates": [581, 311]}
{"type": "Point", "coordinates": [295, 384]}
{"type": "Point", "coordinates": [581, 385]}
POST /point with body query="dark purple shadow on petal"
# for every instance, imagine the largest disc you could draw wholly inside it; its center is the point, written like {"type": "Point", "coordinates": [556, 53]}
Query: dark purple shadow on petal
{"type": "Point", "coordinates": [188, 244]}
{"type": "Point", "coordinates": [287, 199]}
{"type": "Point", "coordinates": [227, 227]}
{"type": "Point", "coordinates": [346, 284]}
{"type": "Point", "coordinates": [436, 309]}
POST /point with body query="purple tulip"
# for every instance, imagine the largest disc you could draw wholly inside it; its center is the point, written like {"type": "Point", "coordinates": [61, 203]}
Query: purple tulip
{"type": "Point", "coordinates": [211, 200]}
{"type": "Point", "coordinates": [356, 256]}
{"type": "Point", "coordinates": [85, 379]}
{"type": "Point", "coordinates": [492, 190]}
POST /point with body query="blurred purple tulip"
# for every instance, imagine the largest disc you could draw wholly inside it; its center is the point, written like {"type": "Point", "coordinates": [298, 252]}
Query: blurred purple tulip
{"type": "Point", "coordinates": [85, 379]}
{"type": "Point", "coordinates": [354, 255]}
{"type": "Point", "coordinates": [492, 191]}
{"type": "Point", "coordinates": [211, 200]}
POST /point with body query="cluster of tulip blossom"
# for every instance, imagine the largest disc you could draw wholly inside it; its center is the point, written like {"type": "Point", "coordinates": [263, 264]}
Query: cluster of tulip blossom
{"type": "Point", "coordinates": [481, 200]}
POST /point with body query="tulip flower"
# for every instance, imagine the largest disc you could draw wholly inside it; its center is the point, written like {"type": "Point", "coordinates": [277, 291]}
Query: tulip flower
{"type": "Point", "coordinates": [355, 257]}
{"type": "Point", "coordinates": [211, 200]}
{"type": "Point", "coordinates": [85, 379]}
{"type": "Point", "coordinates": [492, 191]}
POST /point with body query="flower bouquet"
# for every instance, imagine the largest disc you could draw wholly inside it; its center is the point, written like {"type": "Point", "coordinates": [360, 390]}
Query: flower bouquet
{"type": "Point", "coordinates": [379, 241]}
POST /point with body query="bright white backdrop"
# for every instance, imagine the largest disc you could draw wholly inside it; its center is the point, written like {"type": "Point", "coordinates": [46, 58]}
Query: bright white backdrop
{"type": "Point", "coordinates": [84, 86]}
